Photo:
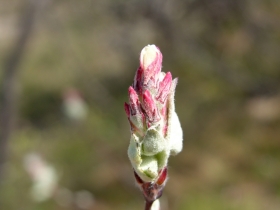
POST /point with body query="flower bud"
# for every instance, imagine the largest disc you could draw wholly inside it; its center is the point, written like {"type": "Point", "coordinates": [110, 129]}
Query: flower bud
{"type": "Point", "coordinates": [149, 106]}
{"type": "Point", "coordinates": [155, 128]}
{"type": "Point", "coordinates": [164, 87]}
{"type": "Point", "coordinates": [148, 56]}
{"type": "Point", "coordinates": [134, 101]}
{"type": "Point", "coordinates": [150, 62]}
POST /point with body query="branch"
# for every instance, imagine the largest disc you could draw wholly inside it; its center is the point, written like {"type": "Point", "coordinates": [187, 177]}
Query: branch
{"type": "Point", "coordinates": [9, 81]}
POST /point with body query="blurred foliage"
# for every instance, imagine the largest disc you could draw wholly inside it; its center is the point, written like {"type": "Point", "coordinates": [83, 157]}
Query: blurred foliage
{"type": "Point", "coordinates": [226, 55]}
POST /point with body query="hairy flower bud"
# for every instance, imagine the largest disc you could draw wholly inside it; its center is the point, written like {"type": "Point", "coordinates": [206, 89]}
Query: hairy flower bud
{"type": "Point", "coordinates": [148, 56]}
{"type": "Point", "coordinates": [155, 128]}
{"type": "Point", "coordinates": [150, 62]}
{"type": "Point", "coordinates": [164, 88]}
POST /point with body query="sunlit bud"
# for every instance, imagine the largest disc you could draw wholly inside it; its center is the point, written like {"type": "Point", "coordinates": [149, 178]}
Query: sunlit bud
{"type": "Point", "coordinates": [148, 56]}
{"type": "Point", "coordinates": [133, 100]}
{"type": "Point", "coordinates": [156, 132]}
{"type": "Point", "coordinates": [149, 106]}
{"type": "Point", "coordinates": [164, 87]}
{"type": "Point", "coordinates": [150, 62]}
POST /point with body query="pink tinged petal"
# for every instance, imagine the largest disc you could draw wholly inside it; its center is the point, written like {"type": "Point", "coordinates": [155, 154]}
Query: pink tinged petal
{"type": "Point", "coordinates": [164, 88]}
{"type": "Point", "coordinates": [151, 73]}
{"type": "Point", "coordinates": [150, 62]}
{"type": "Point", "coordinates": [134, 101]}
{"type": "Point", "coordinates": [148, 55]}
{"type": "Point", "coordinates": [150, 107]}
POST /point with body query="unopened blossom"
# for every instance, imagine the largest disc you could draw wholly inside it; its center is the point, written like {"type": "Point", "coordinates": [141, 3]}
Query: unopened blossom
{"type": "Point", "coordinates": [74, 106]}
{"type": "Point", "coordinates": [43, 175]}
{"type": "Point", "coordinates": [155, 128]}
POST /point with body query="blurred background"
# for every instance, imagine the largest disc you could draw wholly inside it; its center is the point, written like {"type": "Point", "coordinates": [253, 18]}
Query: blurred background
{"type": "Point", "coordinates": [65, 70]}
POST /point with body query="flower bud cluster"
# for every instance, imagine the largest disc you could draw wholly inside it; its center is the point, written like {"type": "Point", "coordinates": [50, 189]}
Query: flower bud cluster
{"type": "Point", "coordinates": [155, 128]}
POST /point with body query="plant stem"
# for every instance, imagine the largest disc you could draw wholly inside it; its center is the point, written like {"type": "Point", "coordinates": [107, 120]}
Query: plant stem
{"type": "Point", "coordinates": [148, 205]}
{"type": "Point", "coordinates": [8, 95]}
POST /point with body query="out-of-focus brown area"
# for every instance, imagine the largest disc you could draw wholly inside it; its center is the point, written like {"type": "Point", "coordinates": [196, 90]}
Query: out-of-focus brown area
{"type": "Point", "coordinates": [67, 146]}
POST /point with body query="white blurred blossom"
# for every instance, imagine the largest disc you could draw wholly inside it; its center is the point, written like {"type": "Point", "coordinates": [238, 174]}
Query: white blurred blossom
{"type": "Point", "coordinates": [43, 176]}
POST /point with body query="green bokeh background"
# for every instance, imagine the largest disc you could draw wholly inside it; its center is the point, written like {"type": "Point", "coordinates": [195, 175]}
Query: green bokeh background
{"type": "Point", "coordinates": [226, 56]}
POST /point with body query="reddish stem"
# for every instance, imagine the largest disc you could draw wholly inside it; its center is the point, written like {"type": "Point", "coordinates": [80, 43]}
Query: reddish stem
{"type": "Point", "coordinates": [148, 205]}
